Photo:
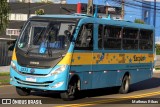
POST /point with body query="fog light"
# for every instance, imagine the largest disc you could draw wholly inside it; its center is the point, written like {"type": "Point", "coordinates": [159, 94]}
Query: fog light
{"type": "Point", "coordinates": [59, 84]}
{"type": "Point", "coordinates": [11, 79]}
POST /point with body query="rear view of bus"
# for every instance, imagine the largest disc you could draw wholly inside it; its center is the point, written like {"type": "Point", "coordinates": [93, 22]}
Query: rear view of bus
{"type": "Point", "coordinates": [40, 56]}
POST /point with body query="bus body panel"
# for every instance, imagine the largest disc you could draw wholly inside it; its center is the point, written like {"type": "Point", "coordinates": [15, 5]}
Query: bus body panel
{"type": "Point", "coordinates": [46, 82]}
{"type": "Point", "coordinates": [96, 68]}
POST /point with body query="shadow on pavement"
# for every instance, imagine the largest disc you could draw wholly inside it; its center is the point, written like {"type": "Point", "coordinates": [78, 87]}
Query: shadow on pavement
{"type": "Point", "coordinates": [146, 84]}
{"type": "Point", "coordinates": [86, 94]}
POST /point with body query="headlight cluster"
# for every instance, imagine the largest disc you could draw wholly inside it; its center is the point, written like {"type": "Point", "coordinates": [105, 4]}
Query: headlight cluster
{"type": "Point", "coordinates": [58, 70]}
{"type": "Point", "coordinates": [59, 84]}
{"type": "Point", "coordinates": [13, 65]}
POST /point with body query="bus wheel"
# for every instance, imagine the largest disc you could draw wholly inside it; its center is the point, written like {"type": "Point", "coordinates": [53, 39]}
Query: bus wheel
{"type": "Point", "coordinates": [71, 93]}
{"type": "Point", "coordinates": [22, 91]}
{"type": "Point", "coordinates": [124, 88]}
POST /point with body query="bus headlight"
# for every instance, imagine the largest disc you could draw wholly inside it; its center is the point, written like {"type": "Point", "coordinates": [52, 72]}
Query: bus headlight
{"type": "Point", "coordinates": [13, 65]}
{"type": "Point", "coordinates": [59, 84]}
{"type": "Point", "coordinates": [58, 70]}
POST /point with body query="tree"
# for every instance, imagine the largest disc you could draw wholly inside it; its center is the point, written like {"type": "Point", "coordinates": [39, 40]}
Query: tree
{"type": "Point", "coordinates": [39, 12]}
{"type": "Point", "coordinates": [139, 21]}
{"type": "Point", "coordinates": [4, 13]}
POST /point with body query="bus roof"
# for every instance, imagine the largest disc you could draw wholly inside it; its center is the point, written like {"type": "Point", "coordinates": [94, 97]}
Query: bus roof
{"type": "Point", "coordinates": [126, 24]}
{"type": "Point", "coordinates": [89, 19]}
{"type": "Point", "coordinates": [121, 23]}
{"type": "Point", "coordinates": [73, 16]}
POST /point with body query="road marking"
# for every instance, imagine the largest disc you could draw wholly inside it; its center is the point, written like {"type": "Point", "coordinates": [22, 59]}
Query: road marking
{"type": "Point", "coordinates": [111, 100]}
{"type": "Point", "coordinates": [5, 86]}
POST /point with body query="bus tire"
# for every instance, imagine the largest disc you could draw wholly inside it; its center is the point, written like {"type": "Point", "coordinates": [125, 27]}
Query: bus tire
{"type": "Point", "coordinates": [124, 88]}
{"type": "Point", "coordinates": [71, 93]}
{"type": "Point", "coordinates": [23, 91]}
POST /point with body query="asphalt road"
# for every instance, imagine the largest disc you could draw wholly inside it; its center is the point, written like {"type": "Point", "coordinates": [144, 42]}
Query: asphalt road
{"type": "Point", "coordinates": [142, 91]}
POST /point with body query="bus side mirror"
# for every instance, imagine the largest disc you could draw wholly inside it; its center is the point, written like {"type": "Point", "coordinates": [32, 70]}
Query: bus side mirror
{"type": "Point", "coordinates": [11, 47]}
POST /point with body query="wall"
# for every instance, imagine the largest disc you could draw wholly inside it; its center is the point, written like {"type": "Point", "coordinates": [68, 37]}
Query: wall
{"type": "Point", "coordinates": [133, 10]}
{"type": "Point", "coordinates": [150, 19]}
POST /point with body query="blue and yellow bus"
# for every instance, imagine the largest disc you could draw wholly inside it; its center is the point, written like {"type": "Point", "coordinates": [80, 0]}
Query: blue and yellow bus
{"type": "Point", "coordinates": [69, 53]}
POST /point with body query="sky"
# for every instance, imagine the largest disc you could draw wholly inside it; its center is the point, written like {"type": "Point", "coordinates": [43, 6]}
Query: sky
{"type": "Point", "coordinates": [153, 0]}
{"type": "Point", "coordinates": [99, 2]}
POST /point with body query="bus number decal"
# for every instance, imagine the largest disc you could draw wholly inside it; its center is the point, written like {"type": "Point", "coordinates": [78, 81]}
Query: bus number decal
{"type": "Point", "coordinates": [122, 58]}
{"type": "Point", "coordinates": [24, 69]}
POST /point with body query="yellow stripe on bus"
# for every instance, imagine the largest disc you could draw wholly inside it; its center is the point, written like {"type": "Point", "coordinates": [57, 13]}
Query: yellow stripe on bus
{"type": "Point", "coordinates": [99, 58]}
{"type": "Point", "coordinates": [14, 55]}
{"type": "Point", "coordinates": [108, 58]}
{"type": "Point", "coordinates": [66, 59]}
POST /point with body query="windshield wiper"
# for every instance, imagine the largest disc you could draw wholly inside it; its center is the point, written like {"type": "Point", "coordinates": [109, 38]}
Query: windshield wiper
{"type": "Point", "coordinates": [28, 49]}
{"type": "Point", "coordinates": [35, 37]}
{"type": "Point", "coordinates": [48, 44]}
{"type": "Point", "coordinates": [49, 49]}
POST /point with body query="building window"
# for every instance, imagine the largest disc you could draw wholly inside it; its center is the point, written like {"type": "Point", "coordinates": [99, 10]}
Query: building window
{"type": "Point", "coordinates": [19, 17]}
{"type": "Point", "coordinates": [12, 32]}
{"type": "Point", "coordinates": [24, 1]}
{"type": "Point", "coordinates": [146, 14]}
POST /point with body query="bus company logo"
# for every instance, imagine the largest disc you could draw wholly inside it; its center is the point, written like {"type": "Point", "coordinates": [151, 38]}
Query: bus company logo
{"type": "Point", "coordinates": [34, 63]}
{"type": "Point", "coordinates": [32, 70]}
{"type": "Point", "coordinates": [139, 58]}
{"type": "Point", "coordinates": [6, 101]}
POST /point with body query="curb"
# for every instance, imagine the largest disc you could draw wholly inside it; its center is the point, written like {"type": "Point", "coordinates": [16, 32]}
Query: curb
{"type": "Point", "coordinates": [3, 84]}
{"type": "Point", "coordinates": [156, 71]}
{"type": "Point", "coordinates": [4, 69]}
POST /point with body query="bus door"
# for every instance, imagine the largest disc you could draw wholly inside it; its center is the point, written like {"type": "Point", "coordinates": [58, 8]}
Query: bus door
{"type": "Point", "coordinates": [82, 55]}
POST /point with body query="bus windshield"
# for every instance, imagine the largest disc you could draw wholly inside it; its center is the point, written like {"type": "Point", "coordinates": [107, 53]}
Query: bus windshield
{"type": "Point", "coordinates": [46, 38]}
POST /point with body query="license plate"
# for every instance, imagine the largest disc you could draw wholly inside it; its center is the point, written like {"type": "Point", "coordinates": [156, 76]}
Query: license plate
{"type": "Point", "coordinates": [31, 79]}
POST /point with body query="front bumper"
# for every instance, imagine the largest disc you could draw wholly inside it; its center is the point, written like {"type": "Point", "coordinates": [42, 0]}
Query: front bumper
{"type": "Point", "coordinates": [55, 83]}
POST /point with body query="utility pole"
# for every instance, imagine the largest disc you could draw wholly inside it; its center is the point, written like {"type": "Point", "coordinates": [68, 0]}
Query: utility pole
{"type": "Point", "coordinates": [90, 8]}
{"type": "Point", "coordinates": [122, 11]}
{"type": "Point", "coordinates": [29, 11]}
{"type": "Point", "coordinates": [154, 16]}
{"type": "Point", "coordinates": [106, 8]}
{"type": "Point", "coordinates": [106, 11]}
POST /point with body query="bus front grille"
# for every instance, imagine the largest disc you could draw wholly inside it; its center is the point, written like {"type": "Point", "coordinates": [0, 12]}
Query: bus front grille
{"type": "Point", "coordinates": [37, 84]}
{"type": "Point", "coordinates": [33, 74]}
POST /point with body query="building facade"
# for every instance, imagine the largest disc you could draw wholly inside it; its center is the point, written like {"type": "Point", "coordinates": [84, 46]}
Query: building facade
{"type": "Point", "coordinates": [23, 9]}
{"type": "Point", "coordinates": [148, 16]}
{"type": "Point", "coordinates": [144, 10]}
{"type": "Point", "coordinates": [134, 9]}
{"type": "Point", "coordinates": [24, 1]}
{"type": "Point", "coordinates": [20, 12]}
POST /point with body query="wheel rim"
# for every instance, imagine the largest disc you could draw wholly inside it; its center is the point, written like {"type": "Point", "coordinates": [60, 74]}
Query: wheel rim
{"type": "Point", "coordinates": [71, 90]}
{"type": "Point", "coordinates": [126, 84]}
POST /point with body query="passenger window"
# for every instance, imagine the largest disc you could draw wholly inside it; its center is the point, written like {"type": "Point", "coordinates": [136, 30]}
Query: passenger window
{"type": "Point", "coordinates": [112, 37]}
{"type": "Point", "coordinates": [130, 39]}
{"type": "Point", "coordinates": [100, 35]}
{"type": "Point", "coordinates": [146, 39]}
{"type": "Point", "coordinates": [130, 33]}
{"type": "Point", "coordinates": [85, 38]}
